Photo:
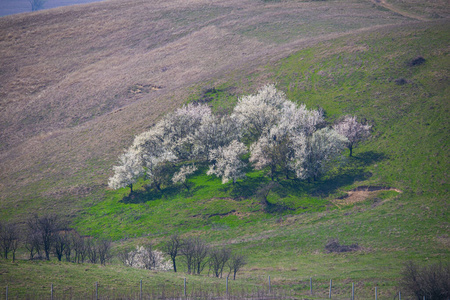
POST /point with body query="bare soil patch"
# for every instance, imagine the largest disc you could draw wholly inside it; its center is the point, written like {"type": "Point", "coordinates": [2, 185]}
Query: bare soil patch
{"type": "Point", "coordinates": [360, 194]}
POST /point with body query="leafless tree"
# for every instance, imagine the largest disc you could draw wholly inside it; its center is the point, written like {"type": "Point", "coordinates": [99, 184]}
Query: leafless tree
{"type": "Point", "coordinates": [91, 250]}
{"type": "Point", "coordinates": [187, 251]}
{"type": "Point", "coordinates": [69, 246]}
{"type": "Point", "coordinates": [236, 262]}
{"type": "Point", "coordinates": [60, 243]}
{"type": "Point", "coordinates": [33, 243]}
{"type": "Point", "coordinates": [194, 251]}
{"type": "Point", "coordinates": [218, 258]}
{"type": "Point", "coordinates": [79, 247]}
{"type": "Point", "coordinates": [104, 251]}
{"type": "Point", "coordinates": [200, 255]}
{"type": "Point", "coordinates": [172, 247]}
{"type": "Point", "coordinates": [9, 239]}
{"type": "Point", "coordinates": [126, 256]}
{"type": "Point", "coordinates": [41, 232]}
{"type": "Point", "coordinates": [429, 281]}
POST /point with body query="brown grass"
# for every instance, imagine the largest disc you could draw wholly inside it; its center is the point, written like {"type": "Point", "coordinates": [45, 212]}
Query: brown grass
{"type": "Point", "coordinates": [66, 77]}
{"type": "Point", "coordinates": [359, 195]}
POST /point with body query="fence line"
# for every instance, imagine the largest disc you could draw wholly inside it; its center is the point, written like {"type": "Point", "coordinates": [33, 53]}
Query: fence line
{"type": "Point", "coordinates": [208, 293]}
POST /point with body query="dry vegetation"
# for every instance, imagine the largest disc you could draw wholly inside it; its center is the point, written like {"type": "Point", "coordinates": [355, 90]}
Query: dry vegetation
{"type": "Point", "coordinates": [68, 78]}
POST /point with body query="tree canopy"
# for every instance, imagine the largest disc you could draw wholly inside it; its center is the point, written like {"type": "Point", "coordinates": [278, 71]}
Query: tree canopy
{"type": "Point", "coordinates": [267, 128]}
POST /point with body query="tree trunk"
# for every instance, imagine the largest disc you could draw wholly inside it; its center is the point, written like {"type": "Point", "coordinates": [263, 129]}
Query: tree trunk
{"type": "Point", "coordinates": [131, 188]}
{"type": "Point", "coordinates": [174, 265]}
{"type": "Point", "coordinates": [351, 150]}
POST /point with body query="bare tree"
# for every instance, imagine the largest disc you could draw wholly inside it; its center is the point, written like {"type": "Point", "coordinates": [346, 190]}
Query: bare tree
{"type": "Point", "coordinates": [41, 231]}
{"type": "Point", "coordinates": [9, 239]}
{"type": "Point", "coordinates": [60, 242]}
{"type": "Point", "coordinates": [218, 258]}
{"type": "Point", "coordinates": [200, 254]}
{"type": "Point", "coordinates": [69, 246]}
{"type": "Point", "coordinates": [104, 251]}
{"type": "Point", "coordinates": [91, 251]}
{"type": "Point", "coordinates": [430, 281]}
{"type": "Point", "coordinates": [236, 262]}
{"type": "Point", "coordinates": [172, 247]}
{"type": "Point", "coordinates": [187, 251]}
{"type": "Point", "coordinates": [33, 243]}
{"type": "Point", "coordinates": [194, 251]}
{"type": "Point", "coordinates": [127, 256]}
{"type": "Point", "coordinates": [79, 247]}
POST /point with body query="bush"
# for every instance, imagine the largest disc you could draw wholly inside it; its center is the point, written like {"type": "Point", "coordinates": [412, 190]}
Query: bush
{"type": "Point", "coordinates": [431, 281]}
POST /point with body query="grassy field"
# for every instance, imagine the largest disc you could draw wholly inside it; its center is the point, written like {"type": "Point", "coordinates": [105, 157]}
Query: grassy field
{"type": "Point", "coordinates": [56, 157]}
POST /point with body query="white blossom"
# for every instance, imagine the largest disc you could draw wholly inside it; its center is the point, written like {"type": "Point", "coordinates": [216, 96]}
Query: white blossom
{"type": "Point", "coordinates": [128, 172]}
{"type": "Point", "coordinates": [353, 131]}
{"type": "Point", "coordinates": [300, 119]}
{"type": "Point", "coordinates": [258, 113]}
{"type": "Point", "coordinates": [179, 128]}
{"type": "Point", "coordinates": [228, 164]}
{"type": "Point", "coordinates": [180, 176]}
{"type": "Point", "coordinates": [214, 132]}
{"type": "Point", "coordinates": [146, 258]}
{"type": "Point", "coordinates": [320, 148]}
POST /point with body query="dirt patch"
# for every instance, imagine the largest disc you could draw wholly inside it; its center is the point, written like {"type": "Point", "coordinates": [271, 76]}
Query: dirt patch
{"type": "Point", "coordinates": [360, 194]}
{"type": "Point", "coordinates": [416, 61]}
{"type": "Point", "coordinates": [333, 245]}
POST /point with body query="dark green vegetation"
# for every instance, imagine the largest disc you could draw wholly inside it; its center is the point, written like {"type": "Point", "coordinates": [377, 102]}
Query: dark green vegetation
{"type": "Point", "coordinates": [368, 74]}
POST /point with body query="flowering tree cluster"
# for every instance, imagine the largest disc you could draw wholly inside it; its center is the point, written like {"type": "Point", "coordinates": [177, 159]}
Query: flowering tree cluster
{"type": "Point", "coordinates": [144, 257]}
{"type": "Point", "coordinates": [276, 133]}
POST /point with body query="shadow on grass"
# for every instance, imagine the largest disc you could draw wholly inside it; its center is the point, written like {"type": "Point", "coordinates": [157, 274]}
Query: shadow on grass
{"type": "Point", "coordinates": [353, 170]}
{"type": "Point", "coordinates": [146, 195]}
{"type": "Point", "coordinates": [245, 188]}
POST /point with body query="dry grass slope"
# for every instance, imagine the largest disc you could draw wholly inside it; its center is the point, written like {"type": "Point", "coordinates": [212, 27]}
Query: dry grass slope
{"type": "Point", "coordinates": [68, 78]}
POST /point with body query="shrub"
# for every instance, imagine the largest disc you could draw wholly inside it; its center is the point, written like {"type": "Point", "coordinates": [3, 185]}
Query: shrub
{"type": "Point", "coordinates": [431, 282]}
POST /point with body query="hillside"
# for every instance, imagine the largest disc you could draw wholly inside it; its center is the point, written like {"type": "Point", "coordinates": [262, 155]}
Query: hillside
{"type": "Point", "coordinates": [71, 96]}
{"type": "Point", "coordinates": [77, 83]}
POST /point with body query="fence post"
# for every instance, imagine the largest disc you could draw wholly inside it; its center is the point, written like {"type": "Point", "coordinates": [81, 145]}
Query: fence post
{"type": "Point", "coordinates": [376, 293]}
{"type": "Point", "coordinates": [310, 285]}
{"type": "Point", "coordinates": [227, 285]}
{"type": "Point", "coordinates": [96, 290]}
{"type": "Point", "coordinates": [140, 291]}
{"type": "Point", "coordinates": [6, 292]}
{"type": "Point", "coordinates": [51, 291]}
{"type": "Point", "coordinates": [270, 288]}
{"type": "Point", "coordinates": [353, 291]}
{"type": "Point", "coordinates": [184, 286]}
{"type": "Point", "coordinates": [399, 296]}
{"type": "Point", "coordinates": [331, 284]}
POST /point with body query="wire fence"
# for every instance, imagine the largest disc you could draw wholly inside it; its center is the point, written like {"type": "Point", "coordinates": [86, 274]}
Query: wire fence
{"type": "Point", "coordinates": [188, 291]}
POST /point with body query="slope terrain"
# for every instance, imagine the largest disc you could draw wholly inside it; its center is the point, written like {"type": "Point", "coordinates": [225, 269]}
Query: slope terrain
{"type": "Point", "coordinates": [71, 77]}
{"type": "Point", "coordinates": [77, 83]}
